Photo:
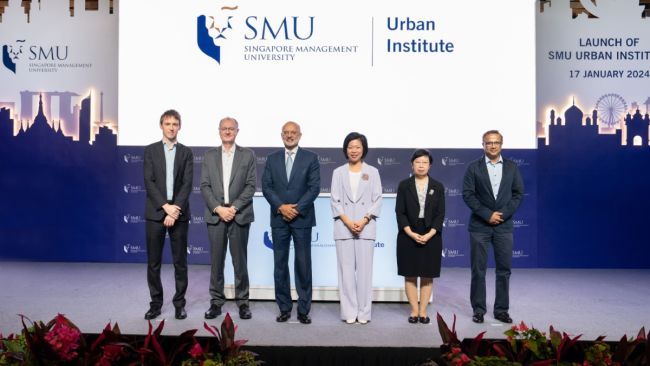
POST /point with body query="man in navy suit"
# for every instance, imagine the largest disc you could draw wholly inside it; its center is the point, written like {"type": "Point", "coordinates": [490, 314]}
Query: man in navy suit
{"type": "Point", "coordinates": [493, 190]}
{"type": "Point", "coordinates": [291, 183]}
{"type": "Point", "coordinates": [168, 170]}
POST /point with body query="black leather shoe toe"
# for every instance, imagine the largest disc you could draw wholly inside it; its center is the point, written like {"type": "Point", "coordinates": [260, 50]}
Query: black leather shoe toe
{"type": "Point", "coordinates": [413, 319]}
{"type": "Point", "coordinates": [283, 317]}
{"type": "Point", "coordinates": [477, 318]}
{"type": "Point", "coordinates": [503, 317]}
{"type": "Point", "coordinates": [213, 312]}
{"type": "Point", "coordinates": [424, 320]}
{"type": "Point", "coordinates": [245, 312]}
{"type": "Point", "coordinates": [152, 313]}
{"type": "Point", "coordinates": [304, 318]}
{"type": "Point", "coordinates": [180, 313]}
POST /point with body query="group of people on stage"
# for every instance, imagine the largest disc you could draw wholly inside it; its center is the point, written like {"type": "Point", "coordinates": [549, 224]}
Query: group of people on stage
{"type": "Point", "coordinates": [492, 188]}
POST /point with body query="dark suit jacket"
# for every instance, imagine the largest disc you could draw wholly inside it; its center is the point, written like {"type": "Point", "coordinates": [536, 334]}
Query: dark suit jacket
{"type": "Point", "coordinates": [240, 190]}
{"type": "Point", "coordinates": [302, 188]}
{"type": "Point", "coordinates": [407, 206]}
{"type": "Point", "coordinates": [155, 172]}
{"type": "Point", "coordinates": [478, 195]}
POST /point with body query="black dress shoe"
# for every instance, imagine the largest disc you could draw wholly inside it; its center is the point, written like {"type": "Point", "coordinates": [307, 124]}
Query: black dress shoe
{"type": "Point", "coordinates": [424, 319]}
{"type": "Point", "coordinates": [503, 317]}
{"type": "Point", "coordinates": [304, 318]}
{"type": "Point", "coordinates": [180, 313]}
{"type": "Point", "coordinates": [477, 318]}
{"type": "Point", "coordinates": [213, 312]}
{"type": "Point", "coordinates": [413, 319]}
{"type": "Point", "coordinates": [245, 312]}
{"type": "Point", "coordinates": [283, 317]}
{"type": "Point", "coordinates": [152, 313]}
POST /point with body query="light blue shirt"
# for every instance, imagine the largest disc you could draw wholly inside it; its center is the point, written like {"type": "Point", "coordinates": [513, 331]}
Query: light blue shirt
{"type": "Point", "coordinates": [170, 155]}
{"type": "Point", "coordinates": [495, 172]}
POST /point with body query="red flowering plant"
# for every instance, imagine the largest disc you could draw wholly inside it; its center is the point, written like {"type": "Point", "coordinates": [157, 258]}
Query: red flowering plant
{"type": "Point", "coordinates": [526, 345]}
{"type": "Point", "coordinates": [110, 348]}
{"type": "Point", "coordinates": [456, 357]}
{"type": "Point", "coordinates": [454, 350]}
{"type": "Point", "coordinates": [223, 349]}
{"type": "Point", "coordinates": [58, 341]}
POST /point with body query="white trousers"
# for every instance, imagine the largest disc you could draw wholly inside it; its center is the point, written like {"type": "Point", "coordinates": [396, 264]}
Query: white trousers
{"type": "Point", "coordinates": [354, 259]}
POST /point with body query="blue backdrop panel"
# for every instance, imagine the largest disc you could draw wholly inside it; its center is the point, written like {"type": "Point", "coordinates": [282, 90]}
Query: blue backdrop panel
{"type": "Point", "coordinates": [593, 197]}
{"type": "Point", "coordinates": [394, 165]}
{"type": "Point", "coordinates": [59, 200]}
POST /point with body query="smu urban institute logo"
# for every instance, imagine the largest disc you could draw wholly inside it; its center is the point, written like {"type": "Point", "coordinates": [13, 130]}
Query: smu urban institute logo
{"type": "Point", "coordinates": [212, 28]}
{"type": "Point", "coordinates": [11, 53]}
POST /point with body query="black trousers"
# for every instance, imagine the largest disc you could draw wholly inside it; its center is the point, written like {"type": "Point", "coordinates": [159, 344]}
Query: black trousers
{"type": "Point", "coordinates": [155, 232]}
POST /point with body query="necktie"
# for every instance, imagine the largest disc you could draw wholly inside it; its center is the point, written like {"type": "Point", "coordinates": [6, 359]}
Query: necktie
{"type": "Point", "coordinates": [289, 164]}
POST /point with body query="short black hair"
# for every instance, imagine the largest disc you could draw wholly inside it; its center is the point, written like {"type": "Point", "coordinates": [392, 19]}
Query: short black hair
{"type": "Point", "coordinates": [355, 136]}
{"type": "Point", "coordinates": [493, 132]}
{"type": "Point", "coordinates": [171, 113]}
{"type": "Point", "coordinates": [421, 152]}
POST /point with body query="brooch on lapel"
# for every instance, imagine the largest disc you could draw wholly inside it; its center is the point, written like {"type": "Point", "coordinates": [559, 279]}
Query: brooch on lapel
{"type": "Point", "coordinates": [431, 192]}
{"type": "Point", "coordinates": [364, 176]}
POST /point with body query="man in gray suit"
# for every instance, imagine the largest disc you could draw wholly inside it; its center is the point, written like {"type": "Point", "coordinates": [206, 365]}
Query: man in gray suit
{"type": "Point", "coordinates": [493, 190]}
{"type": "Point", "coordinates": [227, 185]}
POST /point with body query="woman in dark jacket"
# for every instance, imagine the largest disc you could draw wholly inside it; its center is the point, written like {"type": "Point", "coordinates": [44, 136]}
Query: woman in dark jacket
{"type": "Point", "coordinates": [420, 211]}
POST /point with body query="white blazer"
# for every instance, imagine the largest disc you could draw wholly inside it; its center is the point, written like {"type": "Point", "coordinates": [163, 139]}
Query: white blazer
{"type": "Point", "coordinates": [368, 201]}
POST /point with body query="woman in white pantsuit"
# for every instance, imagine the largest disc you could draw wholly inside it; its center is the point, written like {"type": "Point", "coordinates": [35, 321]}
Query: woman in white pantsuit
{"type": "Point", "coordinates": [356, 203]}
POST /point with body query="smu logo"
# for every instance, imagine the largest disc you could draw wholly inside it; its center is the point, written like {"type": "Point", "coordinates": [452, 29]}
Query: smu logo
{"type": "Point", "coordinates": [196, 249]}
{"type": "Point", "coordinates": [133, 249]}
{"type": "Point", "coordinates": [133, 219]}
{"type": "Point", "coordinates": [451, 253]}
{"type": "Point", "coordinates": [288, 28]}
{"type": "Point", "coordinates": [324, 160]}
{"type": "Point", "coordinates": [11, 53]}
{"type": "Point", "coordinates": [519, 254]}
{"type": "Point", "coordinates": [211, 28]}
{"type": "Point", "coordinates": [133, 189]}
{"type": "Point", "coordinates": [453, 192]}
{"type": "Point", "coordinates": [449, 223]}
{"type": "Point", "coordinates": [450, 161]}
{"type": "Point", "coordinates": [132, 158]}
{"type": "Point", "coordinates": [387, 160]}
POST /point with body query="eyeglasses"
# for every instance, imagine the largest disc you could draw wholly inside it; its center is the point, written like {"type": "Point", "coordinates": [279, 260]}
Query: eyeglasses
{"type": "Point", "coordinates": [228, 129]}
{"type": "Point", "coordinates": [491, 143]}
